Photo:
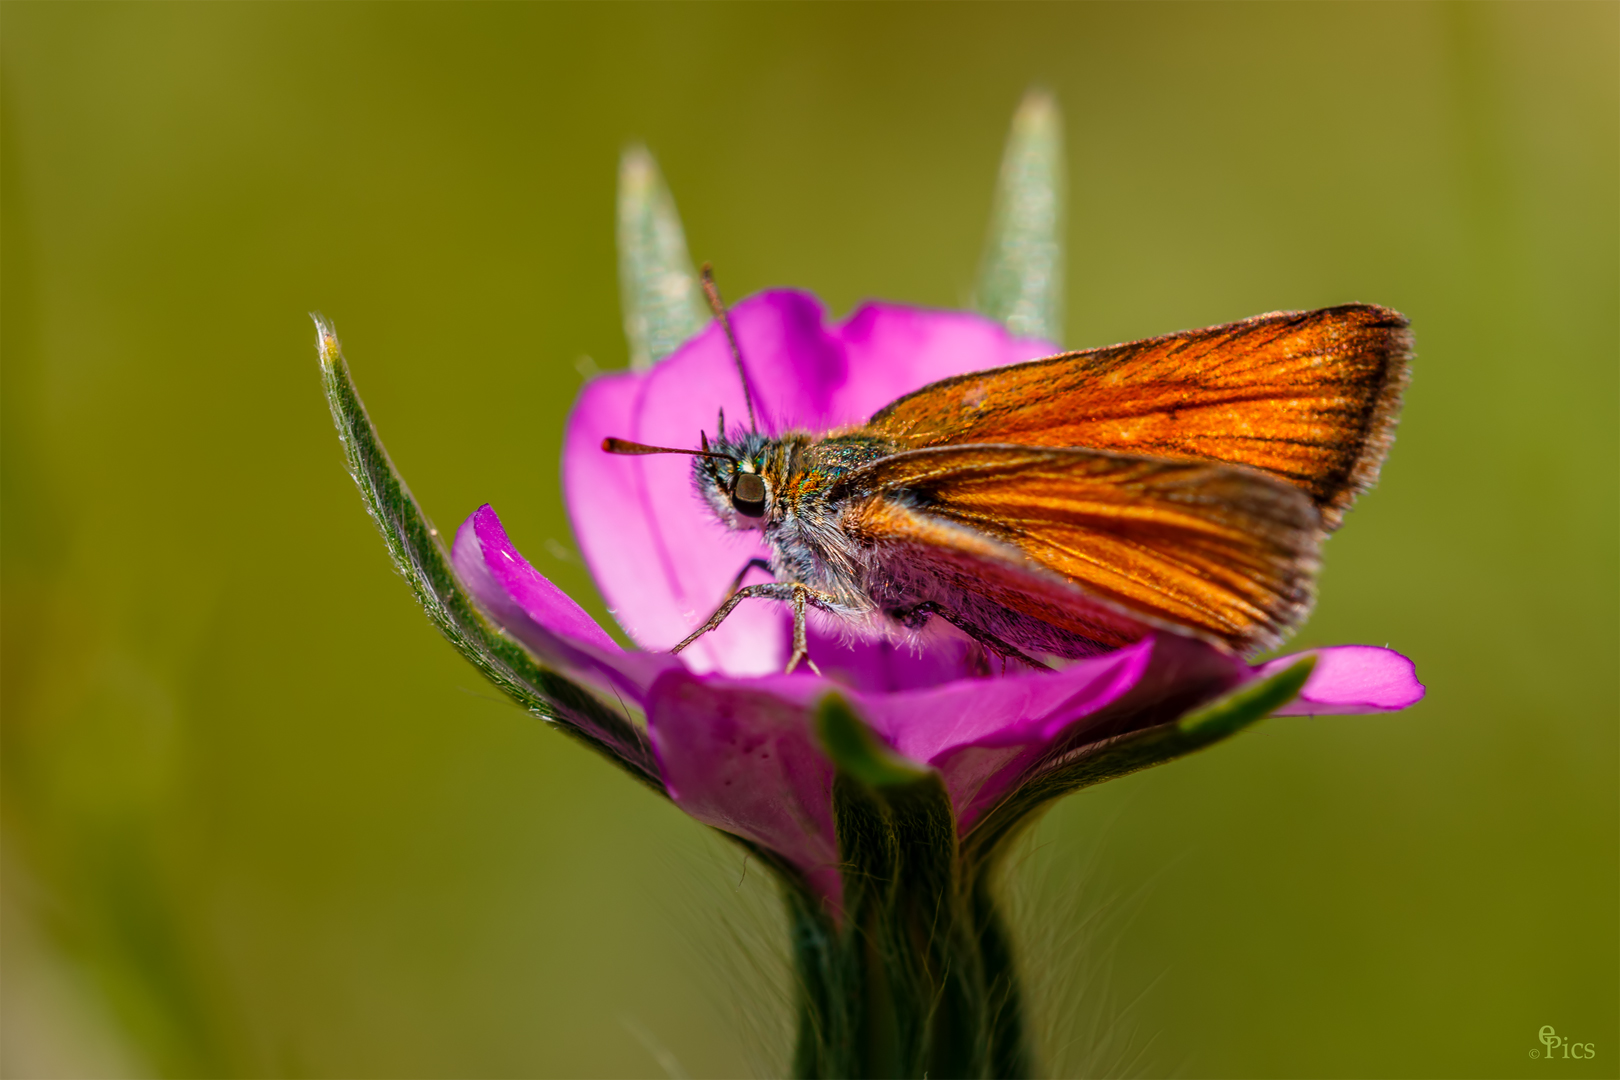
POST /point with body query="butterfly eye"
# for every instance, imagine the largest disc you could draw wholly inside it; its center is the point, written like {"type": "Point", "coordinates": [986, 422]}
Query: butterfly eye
{"type": "Point", "coordinates": [748, 496]}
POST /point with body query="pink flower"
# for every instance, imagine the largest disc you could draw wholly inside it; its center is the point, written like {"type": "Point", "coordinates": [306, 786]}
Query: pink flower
{"type": "Point", "coordinates": [734, 742]}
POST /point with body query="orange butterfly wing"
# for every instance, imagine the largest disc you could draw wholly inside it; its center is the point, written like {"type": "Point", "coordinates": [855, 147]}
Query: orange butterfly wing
{"type": "Point", "coordinates": [1096, 543]}
{"type": "Point", "coordinates": [1308, 397]}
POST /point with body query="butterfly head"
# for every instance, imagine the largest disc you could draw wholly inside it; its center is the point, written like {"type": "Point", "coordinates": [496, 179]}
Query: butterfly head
{"type": "Point", "coordinates": [735, 479]}
{"type": "Point", "coordinates": [734, 475]}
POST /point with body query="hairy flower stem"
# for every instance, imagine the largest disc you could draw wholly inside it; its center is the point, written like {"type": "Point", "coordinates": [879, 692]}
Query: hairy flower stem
{"type": "Point", "coordinates": [916, 977]}
{"type": "Point", "coordinates": [920, 984]}
{"type": "Point", "coordinates": [1010, 1054]}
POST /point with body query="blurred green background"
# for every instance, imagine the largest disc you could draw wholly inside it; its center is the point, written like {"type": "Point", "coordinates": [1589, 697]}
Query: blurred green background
{"type": "Point", "coordinates": [260, 820]}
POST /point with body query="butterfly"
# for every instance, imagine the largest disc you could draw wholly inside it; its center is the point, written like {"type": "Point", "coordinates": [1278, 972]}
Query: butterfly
{"type": "Point", "coordinates": [1076, 503]}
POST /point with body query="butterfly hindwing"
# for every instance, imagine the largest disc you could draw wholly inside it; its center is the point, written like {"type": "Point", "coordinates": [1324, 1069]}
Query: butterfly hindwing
{"type": "Point", "coordinates": [1104, 541]}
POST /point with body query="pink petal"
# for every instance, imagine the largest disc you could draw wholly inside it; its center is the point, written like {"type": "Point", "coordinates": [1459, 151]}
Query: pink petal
{"type": "Point", "coordinates": [745, 759]}
{"type": "Point", "coordinates": [1012, 710]}
{"type": "Point", "coordinates": [614, 527]}
{"type": "Point", "coordinates": [540, 615]}
{"type": "Point", "coordinates": [982, 734]}
{"type": "Point", "coordinates": [742, 755]}
{"type": "Point", "coordinates": [885, 667]}
{"type": "Point", "coordinates": [1351, 679]}
{"type": "Point", "coordinates": [1151, 682]}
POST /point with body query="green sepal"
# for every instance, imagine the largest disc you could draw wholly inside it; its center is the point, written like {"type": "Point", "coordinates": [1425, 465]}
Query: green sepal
{"type": "Point", "coordinates": [663, 303]}
{"type": "Point", "coordinates": [1113, 758]}
{"type": "Point", "coordinates": [1248, 704]}
{"type": "Point", "coordinates": [859, 753]}
{"type": "Point", "coordinates": [1021, 274]}
{"type": "Point", "coordinates": [418, 552]}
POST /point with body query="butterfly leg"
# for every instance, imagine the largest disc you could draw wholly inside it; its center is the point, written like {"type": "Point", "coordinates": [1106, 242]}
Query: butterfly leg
{"type": "Point", "coordinates": [915, 616]}
{"type": "Point", "coordinates": [734, 596]}
{"type": "Point", "coordinates": [801, 650]}
{"type": "Point", "coordinates": [791, 593]}
{"type": "Point", "coordinates": [751, 564]}
{"type": "Point", "coordinates": [724, 610]}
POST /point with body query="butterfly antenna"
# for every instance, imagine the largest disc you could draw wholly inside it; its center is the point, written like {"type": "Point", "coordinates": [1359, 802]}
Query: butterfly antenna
{"type": "Point", "coordinates": [718, 306]}
{"type": "Point", "coordinates": [624, 446]}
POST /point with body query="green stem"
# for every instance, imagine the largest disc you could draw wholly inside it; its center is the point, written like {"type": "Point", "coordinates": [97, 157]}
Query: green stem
{"type": "Point", "coordinates": [915, 976]}
{"type": "Point", "coordinates": [918, 985]}
{"type": "Point", "coordinates": [1010, 1055]}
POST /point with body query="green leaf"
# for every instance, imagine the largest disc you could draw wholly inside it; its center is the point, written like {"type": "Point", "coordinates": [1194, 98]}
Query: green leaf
{"type": "Point", "coordinates": [663, 304]}
{"type": "Point", "coordinates": [1113, 758]}
{"type": "Point", "coordinates": [1021, 277]}
{"type": "Point", "coordinates": [419, 554]}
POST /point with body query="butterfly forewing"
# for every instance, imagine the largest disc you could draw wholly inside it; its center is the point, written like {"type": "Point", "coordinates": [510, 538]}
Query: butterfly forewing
{"type": "Point", "coordinates": [1221, 552]}
{"type": "Point", "coordinates": [1307, 397]}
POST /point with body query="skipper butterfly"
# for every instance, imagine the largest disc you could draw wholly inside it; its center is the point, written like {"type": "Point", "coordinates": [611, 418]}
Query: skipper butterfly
{"type": "Point", "coordinates": [1073, 504]}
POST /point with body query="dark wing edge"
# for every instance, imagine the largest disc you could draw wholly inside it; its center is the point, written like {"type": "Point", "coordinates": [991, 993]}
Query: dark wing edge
{"type": "Point", "coordinates": [1383, 414]}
